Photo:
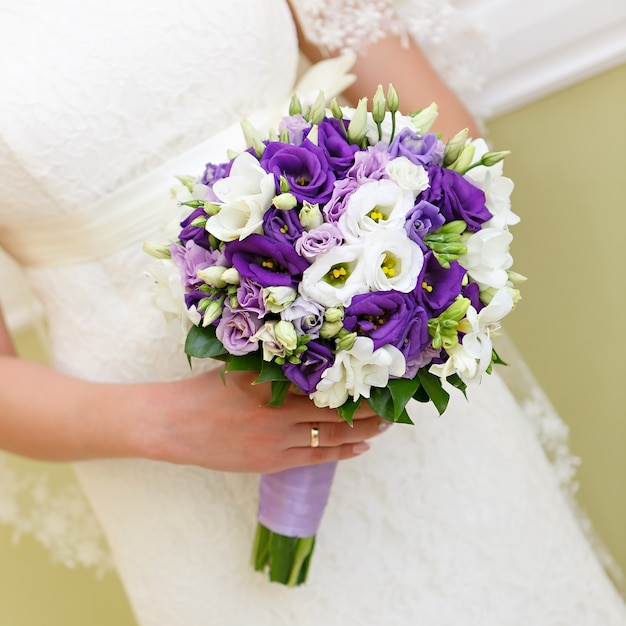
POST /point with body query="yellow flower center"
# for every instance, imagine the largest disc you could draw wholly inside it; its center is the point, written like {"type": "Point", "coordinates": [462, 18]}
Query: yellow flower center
{"type": "Point", "coordinates": [376, 214]}
{"type": "Point", "coordinates": [426, 286]}
{"type": "Point", "coordinates": [389, 265]}
{"type": "Point", "coordinates": [337, 274]}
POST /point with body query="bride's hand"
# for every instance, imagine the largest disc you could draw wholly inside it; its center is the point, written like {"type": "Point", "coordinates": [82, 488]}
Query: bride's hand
{"type": "Point", "coordinates": [201, 421]}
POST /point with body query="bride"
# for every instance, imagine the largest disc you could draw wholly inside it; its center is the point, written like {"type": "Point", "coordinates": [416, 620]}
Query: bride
{"type": "Point", "coordinates": [455, 521]}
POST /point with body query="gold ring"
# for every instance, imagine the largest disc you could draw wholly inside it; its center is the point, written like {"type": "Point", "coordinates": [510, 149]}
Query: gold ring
{"type": "Point", "coordinates": [315, 434]}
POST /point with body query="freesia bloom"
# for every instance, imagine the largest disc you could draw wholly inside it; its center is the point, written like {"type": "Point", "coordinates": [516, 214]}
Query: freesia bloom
{"type": "Point", "coordinates": [355, 371]}
{"type": "Point", "coordinates": [245, 196]}
{"type": "Point", "coordinates": [408, 175]}
{"type": "Point", "coordinates": [496, 187]}
{"type": "Point", "coordinates": [487, 258]}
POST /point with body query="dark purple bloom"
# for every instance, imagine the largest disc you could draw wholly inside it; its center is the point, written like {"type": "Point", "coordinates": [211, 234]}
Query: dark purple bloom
{"type": "Point", "coordinates": [196, 233]}
{"type": "Point", "coordinates": [416, 337]}
{"type": "Point", "coordinates": [214, 172]}
{"type": "Point", "coordinates": [314, 361]}
{"type": "Point", "coordinates": [437, 287]}
{"type": "Point", "coordinates": [472, 291]}
{"type": "Point", "coordinates": [419, 149]}
{"type": "Point", "coordinates": [268, 262]}
{"type": "Point", "coordinates": [339, 152]}
{"type": "Point", "coordinates": [422, 219]}
{"type": "Point", "coordinates": [283, 226]}
{"type": "Point", "coordinates": [192, 298]}
{"type": "Point", "coordinates": [305, 167]}
{"type": "Point", "coordinates": [456, 197]}
{"type": "Point", "coordinates": [383, 316]}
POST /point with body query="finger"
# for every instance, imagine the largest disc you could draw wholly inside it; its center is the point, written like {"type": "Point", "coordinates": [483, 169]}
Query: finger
{"type": "Point", "coordinates": [313, 456]}
{"type": "Point", "coordinates": [336, 434]}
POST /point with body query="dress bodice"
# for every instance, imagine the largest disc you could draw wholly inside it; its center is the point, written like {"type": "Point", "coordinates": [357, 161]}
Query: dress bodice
{"type": "Point", "coordinates": [116, 88]}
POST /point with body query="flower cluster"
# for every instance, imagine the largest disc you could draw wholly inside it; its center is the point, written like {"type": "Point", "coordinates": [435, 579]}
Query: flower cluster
{"type": "Point", "coordinates": [352, 254]}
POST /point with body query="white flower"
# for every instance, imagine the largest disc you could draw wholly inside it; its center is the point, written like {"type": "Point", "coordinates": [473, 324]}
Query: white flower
{"type": "Point", "coordinates": [277, 299]}
{"type": "Point", "coordinates": [275, 340]}
{"type": "Point", "coordinates": [355, 371]}
{"type": "Point", "coordinates": [334, 277]}
{"type": "Point", "coordinates": [245, 196]}
{"type": "Point", "coordinates": [487, 258]}
{"type": "Point", "coordinates": [408, 175]}
{"type": "Point", "coordinates": [471, 358]}
{"type": "Point", "coordinates": [497, 188]}
{"type": "Point", "coordinates": [310, 216]}
{"type": "Point", "coordinates": [375, 205]}
{"type": "Point", "coordinates": [393, 261]}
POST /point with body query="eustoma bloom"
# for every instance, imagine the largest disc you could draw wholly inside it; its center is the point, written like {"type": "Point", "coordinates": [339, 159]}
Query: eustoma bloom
{"type": "Point", "coordinates": [354, 256]}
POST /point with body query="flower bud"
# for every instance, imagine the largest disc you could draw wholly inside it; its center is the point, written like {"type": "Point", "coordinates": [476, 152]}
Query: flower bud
{"type": "Point", "coordinates": [464, 160]}
{"type": "Point", "coordinates": [284, 184]}
{"type": "Point", "coordinates": [425, 118]}
{"type": "Point", "coordinates": [318, 109]}
{"type": "Point", "coordinates": [491, 158]}
{"type": "Point", "coordinates": [329, 329]}
{"type": "Point", "coordinates": [231, 276]}
{"type": "Point", "coordinates": [211, 208]}
{"type": "Point", "coordinates": [358, 124]}
{"type": "Point", "coordinates": [278, 298]}
{"type": "Point", "coordinates": [516, 278]}
{"type": "Point", "coordinates": [335, 109]}
{"type": "Point", "coordinates": [454, 147]}
{"type": "Point", "coordinates": [333, 314]}
{"type": "Point", "coordinates": [212, 312]}
{"type": "Point", "coordinates": [212, 275]}
{"type": "Point", "coordinates": [252, 137]}
{"type": "Point", "coordinates": [295, 106]}
{"type": "Point", "coordinates": [285, 201]}
{"type": "Point", "coordinates": [393, 102]}
{"type": "Point", "coordinates": [188, 181]}
{"type": "Point", "coordinates": [286, 334]}
{"type": "Point", "coordinates": [313, 135]}
{"type": "Point", "coordinates": [310, 216]}
{"type": "Point", "coordinates": [157, 249]}
{"type": "Point", "coordinates": [345, 340]}
{"type": "Point", "coordinates": [379, 105]}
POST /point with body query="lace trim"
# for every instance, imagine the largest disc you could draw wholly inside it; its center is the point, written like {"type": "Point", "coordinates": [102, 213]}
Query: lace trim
{"type": "Point", "coordinates": [58, 517]}
{"type": "Point", "coordinates": [458, 50]}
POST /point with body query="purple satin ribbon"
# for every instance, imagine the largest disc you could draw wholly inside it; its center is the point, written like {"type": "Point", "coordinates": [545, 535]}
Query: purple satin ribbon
{"type": "Point", "coordinates": [292, 502]}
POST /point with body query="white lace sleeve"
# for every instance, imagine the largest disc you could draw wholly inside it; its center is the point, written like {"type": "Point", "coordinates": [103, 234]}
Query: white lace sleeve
{"type": "Point", "coordinates": [455, 47]}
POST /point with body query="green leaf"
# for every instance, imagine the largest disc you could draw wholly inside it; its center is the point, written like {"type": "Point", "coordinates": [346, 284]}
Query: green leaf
{"type": "Point", "coordinates": [251, 362]}
{"type": "Point", "coordinates": [202, 343]}
{"type": "Point", "coordinates": [495, 358]}
{"type": "Point", "coordinates": [270, 372]}
{"type": "Point", "coordinates": [402, 390]}
{"type": "Point", "coordinates": [455, 381]}
{"type": "Point", "coordinates": [404, 418]}
{"type": "Point", "coordinates": [433, 386]}
{"type": "Point", "coordinates": [348, 409]}
{"type": "Point", "coordinates": [279, 391]}
{"type": "Point", "coordinates": [381, 402]}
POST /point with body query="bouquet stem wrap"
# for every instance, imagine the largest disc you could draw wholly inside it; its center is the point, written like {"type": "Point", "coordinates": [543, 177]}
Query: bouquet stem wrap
{"type": "Point", "coordinates": [291, 506]}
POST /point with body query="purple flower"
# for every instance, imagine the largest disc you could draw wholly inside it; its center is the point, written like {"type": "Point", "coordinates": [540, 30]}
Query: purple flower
{"type": "Point", "coordinates": [383, 316]}
{"type": "Point", "coordinates": [456, 197]}
{"type": "Point", "coordinates": [295, 125]}
{"type": "Point", "coordinates": [307, 317]}
{"type": "Point", "coordinates": [191, 257]}
{"type": "Point", "coordinates": [472, 292]}
{"type": "Point", "coordinates": [214, 172]}
{"type": "Point", "coordinates": [268, 262]}
{"type": "Point", "coordinates": [416, 338]}
{"type": "Point", "coordinates": [318, 241]}
{"type": "Point", "coordinates": [417, 148]}
{"type": "Point", "coordinates": [235, 329]}
{"type": "Point", "coordinates": [283, 226]}
{"type": "Point", "coordinates": [422, 219]}
{"type": "Point", "coordinates": [425, 357]}
{"type": "Point", "coordinates": [369, 164]}
{"type": "Point", "coordinates": [339, 152]}
{"type": "Point", "coordinates": [336, 206]}
{"type": "Point", "coordinates": [305, 167]}
{"type": "Point", "coordinates": [195, 233]}
{"type": "Point", "coordinates": [250, 296]}
{"type": "Point", "coordinates": [437, 286]}
{"type": "Point", "coordinates": [314, 361]}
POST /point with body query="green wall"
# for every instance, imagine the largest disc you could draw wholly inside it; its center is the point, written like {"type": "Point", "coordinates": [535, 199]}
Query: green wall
{"type": "Point", "coordinates": [569, 164]}
{"type": "Point", "coordinates": [570, 170]}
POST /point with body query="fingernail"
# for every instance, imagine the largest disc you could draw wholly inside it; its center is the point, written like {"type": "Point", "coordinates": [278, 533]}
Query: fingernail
{"type": "Point", "coordinates": [359, 448]}
{"type": "Point", "coordinates": [383, 426]}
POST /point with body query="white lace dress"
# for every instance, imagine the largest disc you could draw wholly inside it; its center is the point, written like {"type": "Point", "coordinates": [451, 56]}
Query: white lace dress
{"type": "Point", "coordinates": [459, 520]}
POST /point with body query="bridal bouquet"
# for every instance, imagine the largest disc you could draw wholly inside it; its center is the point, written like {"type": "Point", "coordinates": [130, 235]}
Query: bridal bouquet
{"type": "Point", "coordinates": [352, 255]}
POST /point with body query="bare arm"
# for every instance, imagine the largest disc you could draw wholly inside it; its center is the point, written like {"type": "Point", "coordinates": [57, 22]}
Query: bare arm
{"type": "Point", "coordinates": [200, 421]}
